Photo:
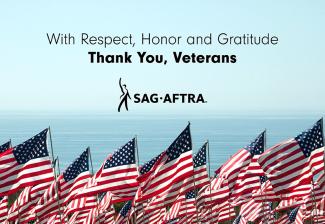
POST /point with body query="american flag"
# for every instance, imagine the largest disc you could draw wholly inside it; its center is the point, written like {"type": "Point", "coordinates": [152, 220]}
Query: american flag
{"type": "Point", "coordinates": [171, 178]}
{"type": "Point", "coordinates": [107, 217]}
{"type": "Point", "coordinates": [53, 219]}
{"type": "Point", "coordinates": [188, 207]}
{"type": "Point", "coordinates": [67, 185]}
{"type": "Point", "coordinates": [146, 171]}
{"type": "Point", "coordinates": [214, 193]}
{"type": "Point", "coordinates": [80, 204]}
{"type": "Point", "coordinates": [231, 169]}
{"type": "Point", "coordinates": [201, 176]}
{"type": "Point", "coordinates": [23, 206]}
{"type": "Point", "coordinates": [5, 147]}
{"type": "Point", "coordinates": [154, 217]}
{"type": "Point", "coordinates": [295, 161]}
{"type": "Point", "coordinates": [25, 165]}
{"type": "Point", "coordinates": [253, 210]}
{"type": "Point", "coordinates": [314, 196]}
{"type": "Point", "coordinates": [183, 206]}
{"type": "Point", "coordinates": [118, 174]}
{"type": "Point", "coordinates": [295, 216]}
{"type": "Point", "coordinates": [3, 208]}
{"type": "Point", "coordinates": [249, 177]}
{"type": "Point", "coordinates": [123, 216]}
{"type": "Point", "coordinates": [217, 213]}
{"type": "Point", "coordinates": [106, 212]}
{"type": "Point", "coordinates": [200, 179]}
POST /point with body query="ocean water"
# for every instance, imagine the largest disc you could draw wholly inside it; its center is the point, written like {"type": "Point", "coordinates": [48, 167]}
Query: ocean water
{"type": "Point", "coordinates": [103, 133]}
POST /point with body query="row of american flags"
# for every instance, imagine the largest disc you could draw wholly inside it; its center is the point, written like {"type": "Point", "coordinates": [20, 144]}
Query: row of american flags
{"type": "Point", "coordinates": [282, 184]}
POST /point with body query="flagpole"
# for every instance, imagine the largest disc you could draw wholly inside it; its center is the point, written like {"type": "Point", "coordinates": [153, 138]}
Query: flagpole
{"type": "Point", "coordinates": [197, 216]}
{"type": "Point", "coordinates": [264, 198]}
{"type": "Point", "coordinates": [322, 127]}
{"type": "Point", "coordinates": [312, 179]}
{"type": "Point", "coordinates": [314, 202]}
{"type": "Point", "coordinates": [229, 221]}
{"type": "Point", "coordinates": [18, 211]}
{"type": "Point", "coordinates": [55, 176]}
{"type": "Point", "coordinates": [92, 172]}
{"type": "Point", "coordinates": [208, 149]}
{"type": "Point", "coordinates": [137, 162]}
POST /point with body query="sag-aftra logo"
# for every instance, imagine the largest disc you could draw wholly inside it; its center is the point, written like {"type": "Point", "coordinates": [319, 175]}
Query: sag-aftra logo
{"type": "Point", "coordinates": [155, 98]}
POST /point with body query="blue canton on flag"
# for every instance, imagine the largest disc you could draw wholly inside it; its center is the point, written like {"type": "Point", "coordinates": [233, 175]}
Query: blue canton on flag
{"type": "Point", "coordinates": [311, 139]}
{"type": "Point", "coordinates": [126, 208]}
{"type": "Point", "coordinates": [33, 148]}
{"type": "Point", "coordinates": [148, 165]}
{"type": "Point", "coordinates": [80, 165]}
{"type": "Point", "coordinates": [293, 214]}
{"type": "Point", "coordinates": [5, 147]}
{"type": "Point", "coordinates": [263, 179]}
{"type": "Point", "coordinates": [182, 143]}
{"type": "Point", "coordinates": [190, 195]}
{"type": "Point", "coordinates": [200, 158]}
{"type": "Point", "coordinates": [237, 220]}
{"type": "Point", "coordinates": [257, 146]}
{"type": "Point", "coordinates": [123, 156]}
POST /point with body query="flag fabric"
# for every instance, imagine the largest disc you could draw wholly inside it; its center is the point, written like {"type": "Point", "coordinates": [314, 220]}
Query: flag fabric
{"type": "Point", "coordinates": [266, 193]}
{"type": "Point", "coordinates": [25, 165]}
{"type": "Point", "coordinates": [289, 203]}
{"type": "Point", "coordinates": [106, 212]}
{"type": "Point", "coordinates": [253, 210]}
{"type": "Point", "coordinates": [3, 208]}
{"type": "Point", "coordinates": [146, 171]}
{"type": "Point", "coordinates": [23, 206]}
{"type": "Point", "coordinates": [154, 216]}
{"type": "Point", "coordinates": [80, 204]}
{"type": "Point", "coordinates": [295, 216]}
{"type": "Point", "coordinates": [314, 197]}
{"type": "Point", "coordinates": [171, 178]}
{"type": "Point", "coordinates": [183, 206]}
{"type": "Point", "coordinates": [78, 217]}
{"type": "Point", "coordinates": [232, 168]}
{"type": "Point", "coordinates": [5, 147]}
{"type": "Point", "coordinates": [295, 161]}
{"type": "Point", "coordinates": [118, 174]}
{"type": "Point", "coordinates": [217, 213]}
{"type": "Point", "coordinates": [149, 167]}
{"type": "Point", "coordinates": [321, 180]}
{"type": "Point", "coordinates": [214, 193]}
{"type": "Point", "coordinates": [67, 185]}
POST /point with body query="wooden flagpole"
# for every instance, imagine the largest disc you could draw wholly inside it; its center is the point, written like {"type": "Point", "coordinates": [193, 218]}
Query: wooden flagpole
{"type": "Point", "coordinates": [55, 175]}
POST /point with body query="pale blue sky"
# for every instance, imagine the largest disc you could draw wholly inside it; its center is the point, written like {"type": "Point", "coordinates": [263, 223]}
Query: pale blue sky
{"type": "Point", "coordinates": [287, 77]}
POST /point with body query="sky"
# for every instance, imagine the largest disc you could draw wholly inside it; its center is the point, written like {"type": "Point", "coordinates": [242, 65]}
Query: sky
{"type": "Point", "coordinates": [288, 77]}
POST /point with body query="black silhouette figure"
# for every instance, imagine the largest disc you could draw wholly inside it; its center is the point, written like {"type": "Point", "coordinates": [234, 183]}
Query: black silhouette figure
{"type": "Point", "coordinates": [124, 97]}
